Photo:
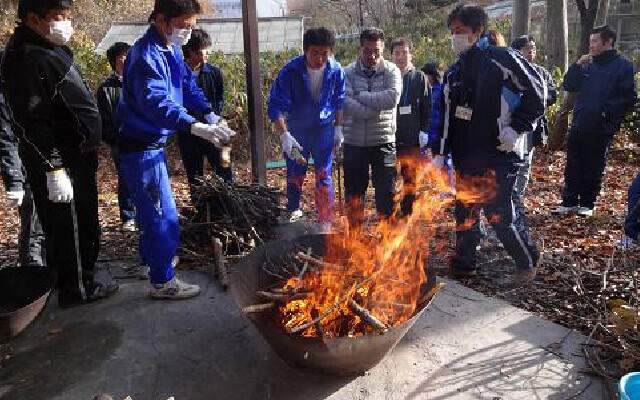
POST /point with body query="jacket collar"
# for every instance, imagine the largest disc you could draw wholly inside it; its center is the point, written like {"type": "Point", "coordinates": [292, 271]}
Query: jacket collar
{"type": "Point", "coordinates": [24, 34]}
{"type": "Point", "coordinates": [605, 57]}
{"type": "Point", "coordinates": [154, 37]}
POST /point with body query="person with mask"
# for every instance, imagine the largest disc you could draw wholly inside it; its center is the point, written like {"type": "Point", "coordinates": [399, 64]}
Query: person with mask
{"type": "Point", "coordinates": [108, 98]}
{"type": "Point", "coordinates": [413, 119]}
{"type": "Point", "coordinates": [58, 125]}
{"type": "Point", "coordinates": [305, 105]}
{"type": "Point", "coordinates": [526, 45]}
{"type": "Point", "coordinates": [374, 86]}
{"type": "Point", "coordinates": [157, 88]}
{"type": "Point", "coordinates": [18, 192]}
{"type": "Point", "coordinates": [209, 78]}
{"type": "Point", "coordinates": [606, 86]}
{"type": "Point", "coordinates": [492, 97]}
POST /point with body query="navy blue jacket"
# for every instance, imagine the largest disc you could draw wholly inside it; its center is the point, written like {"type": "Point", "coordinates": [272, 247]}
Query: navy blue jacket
{"type": "Point", "coordinates": [502, 89]}
{"type": "Point", "coordinates": [436, 94]}
{"type": "Point", "coordinates": [157, 88]}
{"type": "Point", "coordinates": [291, 95]}
{"type": "Point", "coordinates": [607, 92]}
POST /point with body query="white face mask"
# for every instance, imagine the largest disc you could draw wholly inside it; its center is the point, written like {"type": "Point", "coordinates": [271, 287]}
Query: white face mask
{"type": "Point", "coordinates": [60, 32]}
{"type": "Point", "coordinates": [460, 42]}
{"type": "Point", "coordinates": [179, 37]}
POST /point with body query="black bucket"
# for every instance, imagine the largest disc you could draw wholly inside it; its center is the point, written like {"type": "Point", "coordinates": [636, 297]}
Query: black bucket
{"type": "Point", "coordinates": [23, 294]}
{"type": "Point", "coordinates": [342, 356]}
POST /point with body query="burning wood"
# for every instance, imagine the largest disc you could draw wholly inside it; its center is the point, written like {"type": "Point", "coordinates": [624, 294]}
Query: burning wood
{"type": "Point", "coordinates": [367, 316]}
{"type": "Point", "coordinates": [282, 296]}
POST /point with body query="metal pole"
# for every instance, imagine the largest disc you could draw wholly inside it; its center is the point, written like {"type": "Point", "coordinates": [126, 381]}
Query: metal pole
{"type": "Point", "coordinates": [361, 15]}
{"type": "Point", "coordinates": [254, 91]}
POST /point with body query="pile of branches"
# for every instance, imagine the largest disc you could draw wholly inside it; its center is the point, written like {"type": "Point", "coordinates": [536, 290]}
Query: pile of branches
{"type": "Point", "coordinates": [241, 216]}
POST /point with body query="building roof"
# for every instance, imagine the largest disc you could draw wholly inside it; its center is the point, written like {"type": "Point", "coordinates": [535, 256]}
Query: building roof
{"type": "Point", "coordinates": [274, 34]}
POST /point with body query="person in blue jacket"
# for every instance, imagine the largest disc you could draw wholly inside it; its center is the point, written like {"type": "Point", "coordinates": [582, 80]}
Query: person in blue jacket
{"type": "Point", "coordinates": [434, 74]}
{"type": "Point", "coordinates": [491, 98]}
{"type": "Point", "coordinates": [305, 105]}
{"type": "Point", "coordinates": [606, 87]}
{"type": "Point", "coordinates": [158, 87]}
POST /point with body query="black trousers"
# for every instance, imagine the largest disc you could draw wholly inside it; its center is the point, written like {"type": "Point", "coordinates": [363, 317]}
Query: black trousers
{"type": "Point", "coordinates": [71, 230]}
{"type": "Point", "coordinates": [586, 160]}
{"type": "Point", "coordinates": [357, 160]}
{"type": "Point", "coordinates": [407, 157]}
{"type": "Point", "coordinates": [504, 213]}
{"type": "Point", "coordinates": [194, 150]}
{"type": "Point", "coordinates": [31, 239]}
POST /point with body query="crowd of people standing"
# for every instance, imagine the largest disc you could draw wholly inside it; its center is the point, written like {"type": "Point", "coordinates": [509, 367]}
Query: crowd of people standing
{"type": "Point", "coordinates": [482, 117]}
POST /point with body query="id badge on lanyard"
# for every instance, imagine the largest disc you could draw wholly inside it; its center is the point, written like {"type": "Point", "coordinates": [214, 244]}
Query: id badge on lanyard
{"type": "Point", "coordinates": [465, 112]}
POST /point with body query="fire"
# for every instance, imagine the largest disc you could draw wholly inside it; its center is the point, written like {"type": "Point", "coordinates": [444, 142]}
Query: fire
{"type": "Point", "coordinates": [370, 278]}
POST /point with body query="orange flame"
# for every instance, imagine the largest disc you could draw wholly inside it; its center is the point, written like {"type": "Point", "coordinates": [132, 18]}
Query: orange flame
{"type": "Point", "coordinates": [381, 267]}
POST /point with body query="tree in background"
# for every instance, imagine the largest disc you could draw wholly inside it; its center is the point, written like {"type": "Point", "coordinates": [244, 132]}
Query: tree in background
{"type": "Point", "coordinates": [521, 17]}
{"type": "Point", "coordinates": [588, 10]}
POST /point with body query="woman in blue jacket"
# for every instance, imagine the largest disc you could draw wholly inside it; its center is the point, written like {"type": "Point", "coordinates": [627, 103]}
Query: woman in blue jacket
{"type": "Point", "coordinates": [158, 87]}
{"type": "Point", "coordinates": [305, 105]}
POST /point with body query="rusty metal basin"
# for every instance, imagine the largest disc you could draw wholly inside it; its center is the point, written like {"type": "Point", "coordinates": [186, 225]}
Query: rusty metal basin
{"type": "Point", "coordinates": [23, 294]}
{"type": "Point", "coordinates": [342, 356]}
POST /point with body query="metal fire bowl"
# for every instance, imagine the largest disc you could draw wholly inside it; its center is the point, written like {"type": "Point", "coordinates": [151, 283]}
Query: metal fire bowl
{"type": "Point", "coordinates": [342, 356]}
{"type": "Point", "coordinates": [23, 294]}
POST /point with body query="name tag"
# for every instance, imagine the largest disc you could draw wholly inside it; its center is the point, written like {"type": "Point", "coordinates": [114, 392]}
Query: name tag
{"type": "Point", "coordinates": [464, 113]}
{"type": "Point", "coordinates": [404, 110]}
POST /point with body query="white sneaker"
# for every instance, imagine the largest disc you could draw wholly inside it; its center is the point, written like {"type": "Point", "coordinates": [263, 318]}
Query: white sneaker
{"type": "Point", "coordinates": [584, 211]}
{"type": "Point", "coordinates": [129, 226]}
{"type": "Point", "coordinates": [627, 244]}
{"type": "Point", "coordinates": [563, 210]}
{"type": "Point", "coordinates": [323, 227]}
{"type": "Point", "coordinates": [289, 217]}
{"type": "Point", "coordinates": [175, 289]}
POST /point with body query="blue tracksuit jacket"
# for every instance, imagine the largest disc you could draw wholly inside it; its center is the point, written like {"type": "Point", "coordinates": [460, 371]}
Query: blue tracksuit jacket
{"type": "Point", "coordinates": [607, 92]}
{"type": "Point", "coordinates": [502, 89]}
{"type": "Point", "coordinates": [291, 97]}
{"type": "Point", "coordinates": [157, 88]}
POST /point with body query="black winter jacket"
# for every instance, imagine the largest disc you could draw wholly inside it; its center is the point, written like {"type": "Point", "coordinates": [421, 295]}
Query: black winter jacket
{"type": "Point", "coordinates": [108, 98]}
{"type": "Point", "coordinates": [607, 92]}
{"type": "Point", "coordinates": [499, 88]}
{"type": "Point", "coordinates": [416, 94]}
{"type": "Point", "coordinates": [10, 164]}
{"type": "Point", "coordinates": [51, 106]}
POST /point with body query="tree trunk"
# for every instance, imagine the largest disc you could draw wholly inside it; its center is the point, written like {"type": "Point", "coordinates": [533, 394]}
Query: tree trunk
{"type": "Point", "coordinates": [587, 21]}
{"type": "Point", "coordinates": [521, 18]}
{"type": "Point", "coordinates": [603, 12]}
{"type": "Point", "coordinates": [557, 34]}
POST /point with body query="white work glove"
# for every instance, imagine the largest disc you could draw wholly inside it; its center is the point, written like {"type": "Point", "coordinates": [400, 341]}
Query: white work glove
{"type": "Point", "coordinates": [59, 186]}
{"type": "Point", "coordinates": [338, 136]}
{"type": "Point", "coordinates": [212, 118]}
{"type": "Point", "coordinates": [14, 199]}
{"type": "Point", "coordinates": [511, 141]}
{"type": "Point", "coordinates": [212, 133]}
{"type": "Point", "coordinates": [438, 161]}
{"type": "Point", "coordinates": [288, 143]}
{"type": "Point", "coordinates": [423, 137]}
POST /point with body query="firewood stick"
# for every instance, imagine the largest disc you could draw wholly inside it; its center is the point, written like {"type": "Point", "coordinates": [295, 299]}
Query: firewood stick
{"type": "Point", "coordinates": [220, 264]}
{"type": "Point", "coordinates": [367, 316]}
{"type": "Point", "coordinates": [319, 331]}
{"type": "Point", "coordinates": [282, 297]}
{"type": "Point", "coordinates": [434, 290]}
{"type": "Point", "coordinates": [304, 267]}
{"type": "Point", "coordinates": [258, 308]}
{"type": "Point", "coordinates": [319, 263]}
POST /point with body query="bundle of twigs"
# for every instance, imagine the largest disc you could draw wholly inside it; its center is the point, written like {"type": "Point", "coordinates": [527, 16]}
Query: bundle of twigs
{"type": "Point", "coordinates": [241, 216]}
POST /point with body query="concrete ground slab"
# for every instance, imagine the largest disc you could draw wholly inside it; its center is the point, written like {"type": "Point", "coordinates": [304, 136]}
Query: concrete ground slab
{"type": "Point", "coordinates": [466, 346]}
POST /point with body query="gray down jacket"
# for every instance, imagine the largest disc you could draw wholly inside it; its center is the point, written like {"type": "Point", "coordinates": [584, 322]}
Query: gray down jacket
{"type": "Point", "coordinates": [370, 105]}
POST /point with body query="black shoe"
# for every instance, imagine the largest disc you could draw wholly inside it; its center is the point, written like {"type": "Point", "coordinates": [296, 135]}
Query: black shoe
{"type": "Point", "coordinates": [97, 291]}
{"type": "Point", "coordinates": [458, 273]}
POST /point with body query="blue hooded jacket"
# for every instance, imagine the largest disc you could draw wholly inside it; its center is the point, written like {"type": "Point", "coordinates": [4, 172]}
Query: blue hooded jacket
{"type": "Point", "coordinates": [607, 92]}
{"type": "Point", "coordinates": [291, 95]}
{"type": "Point", "coordinates": [436, 93]}
{"type": "Point", "coordinates": [157, 88]}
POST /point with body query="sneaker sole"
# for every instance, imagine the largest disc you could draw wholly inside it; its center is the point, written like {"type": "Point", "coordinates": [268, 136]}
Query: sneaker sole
{"type": "Point", "coordinates": [169, 297]}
